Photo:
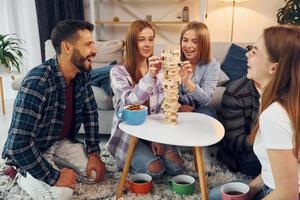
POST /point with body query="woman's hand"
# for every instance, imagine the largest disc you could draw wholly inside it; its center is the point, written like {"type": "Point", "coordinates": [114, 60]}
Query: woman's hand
{"type": "Point", "coordinates": [185, 72]}
{"type": "Point", "coordinates": [186, 108]}
{"type": "Point", "coordinates": [154, 65]}
{"type": "Point", "coordinates": [157, 149]}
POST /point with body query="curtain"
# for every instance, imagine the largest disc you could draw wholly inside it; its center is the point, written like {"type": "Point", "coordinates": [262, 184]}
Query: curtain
{"type": "Point", "coordinates": [50, 12]}
{"type": "Point", "coordinates": [19, 16]}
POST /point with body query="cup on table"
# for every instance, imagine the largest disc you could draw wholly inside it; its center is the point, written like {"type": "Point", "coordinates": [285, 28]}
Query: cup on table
{"type": "Point", "coordinates": [133, 114]}
{"type": "Point", "coordinates": [235, 191]}
{"type": "Point", "coordinates": [183, 184]}
{"type": "Point", "coordinates": [140, 183]}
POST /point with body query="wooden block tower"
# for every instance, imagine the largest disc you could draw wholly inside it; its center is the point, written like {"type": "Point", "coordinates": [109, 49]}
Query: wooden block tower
{"type": "Point", "coordinates": [171, 81]}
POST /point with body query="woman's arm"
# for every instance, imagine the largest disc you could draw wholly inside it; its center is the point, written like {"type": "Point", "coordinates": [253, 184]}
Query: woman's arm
{"type": "Point", "coordinates": [202, 92]}
{"type": "Point", "coordinates": [121, 84]}
{"type": "Point", "coordinates": [284, 168]}
{"type": "Point", "coordinates": [255, 186]}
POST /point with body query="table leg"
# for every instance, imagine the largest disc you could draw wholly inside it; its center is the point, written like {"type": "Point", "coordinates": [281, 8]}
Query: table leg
{"type": "Point", "coordinates": [130, 151]}
{"type": "Point", "coordinates": [2, 95]}
{"type": "Point", "coordinates": [201, 172]}
{"type": "Point", "coordinates": [195, 160]}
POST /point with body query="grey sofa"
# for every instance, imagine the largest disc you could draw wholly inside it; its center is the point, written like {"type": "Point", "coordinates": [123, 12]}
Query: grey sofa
{"type": "Point", "coordinates": [113, 50]}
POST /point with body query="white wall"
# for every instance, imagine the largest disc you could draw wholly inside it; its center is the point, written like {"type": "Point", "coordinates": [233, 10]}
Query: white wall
{"type": "Point", "coordinates": [251, 17]}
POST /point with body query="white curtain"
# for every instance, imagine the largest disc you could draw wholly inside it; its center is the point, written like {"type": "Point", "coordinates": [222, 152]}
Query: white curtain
{"type": "Point", "coordinates": [19, 16]}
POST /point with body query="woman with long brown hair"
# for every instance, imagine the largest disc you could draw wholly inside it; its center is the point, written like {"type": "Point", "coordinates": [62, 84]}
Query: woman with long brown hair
{"type": "Point", "coordinates": [199, 72]}
{"type": "Point", "coordinates": [138, 81]}
{"type": "Point", "coordinates": [274, 65]}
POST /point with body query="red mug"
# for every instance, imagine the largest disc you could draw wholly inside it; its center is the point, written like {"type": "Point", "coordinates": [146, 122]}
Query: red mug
{"type": "Point", "coordinates": [140, 183]}
{"type": "Point", "coordinates": [235, 191]}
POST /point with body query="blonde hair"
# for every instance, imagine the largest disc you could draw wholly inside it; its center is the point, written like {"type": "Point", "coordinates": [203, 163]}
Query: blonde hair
{"type": "Point", "coordinates": [131, 48]}
{"type": "Point", "coordinates": [283, 47]}
{"type": "Point", "coordinates": [203, 38]}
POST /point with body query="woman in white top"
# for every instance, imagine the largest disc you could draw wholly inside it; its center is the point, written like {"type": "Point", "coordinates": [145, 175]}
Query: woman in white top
{"type": "Point", "coordinates": [274, 63]}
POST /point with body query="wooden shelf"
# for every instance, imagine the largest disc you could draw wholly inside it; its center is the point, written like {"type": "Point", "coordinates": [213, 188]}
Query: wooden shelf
{"type": "Point", "coordinates": [99, 22]}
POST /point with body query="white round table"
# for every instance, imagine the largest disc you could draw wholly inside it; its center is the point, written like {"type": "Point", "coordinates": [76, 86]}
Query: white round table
{"type": "Point", "coordinates": [192, 129]}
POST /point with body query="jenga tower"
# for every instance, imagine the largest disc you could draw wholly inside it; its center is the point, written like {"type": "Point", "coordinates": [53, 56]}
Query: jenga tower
{"type": "Point", "coordinates": [171, 81]}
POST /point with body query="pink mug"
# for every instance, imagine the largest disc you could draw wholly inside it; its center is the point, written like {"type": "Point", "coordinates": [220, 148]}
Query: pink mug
{"type": "Point", "coordinates": [235, 191]}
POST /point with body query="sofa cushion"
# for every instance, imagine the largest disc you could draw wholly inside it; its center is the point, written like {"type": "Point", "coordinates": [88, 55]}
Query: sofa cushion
{"type": "Point", "coordinates": [104, 101]}
{"type": "Point", "coordinates": [235, 63]}
{"type": "Point", "coordinates": [217, 98]}
{"type": "Point", "coordinates": [222, 79]}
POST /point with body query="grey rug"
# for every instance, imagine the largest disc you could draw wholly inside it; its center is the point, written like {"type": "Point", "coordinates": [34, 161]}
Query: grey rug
{"type": "Point", "coordinates": [216, 174]}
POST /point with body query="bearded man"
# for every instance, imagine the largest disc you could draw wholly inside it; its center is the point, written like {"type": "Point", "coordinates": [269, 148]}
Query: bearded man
{"type": "Point", "coordinates": [54, 100]}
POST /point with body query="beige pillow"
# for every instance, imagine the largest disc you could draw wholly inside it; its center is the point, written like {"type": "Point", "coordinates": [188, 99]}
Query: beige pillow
{"type": "Point", "coordinates": [109, 51]}
{"type": "Point", "coordinates": [222, 79]}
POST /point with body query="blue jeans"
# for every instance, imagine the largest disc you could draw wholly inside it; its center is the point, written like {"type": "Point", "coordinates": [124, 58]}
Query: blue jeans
{"type": "Point", "coordinates": [143, 156]}
{"type": "Point", "coordinates": [215, 193]}
{"type": "Point", "coordinates": [207, 110]}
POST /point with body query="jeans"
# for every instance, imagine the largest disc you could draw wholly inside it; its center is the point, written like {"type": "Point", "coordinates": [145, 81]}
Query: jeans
{"type": "Point", "coordinates": [207, 110]}
{"type": "Point", "coordinates": [64, 153]}
{"type": "Point", "coordinates": [143, 156]}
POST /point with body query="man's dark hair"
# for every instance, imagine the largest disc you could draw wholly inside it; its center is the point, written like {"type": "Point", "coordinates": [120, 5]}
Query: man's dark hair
{"type": "Point", "coordinates": [67, 31]}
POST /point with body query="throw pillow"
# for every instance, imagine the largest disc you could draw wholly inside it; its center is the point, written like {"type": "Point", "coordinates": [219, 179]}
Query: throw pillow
{"type": "Point", "coordinates": [235, 63]}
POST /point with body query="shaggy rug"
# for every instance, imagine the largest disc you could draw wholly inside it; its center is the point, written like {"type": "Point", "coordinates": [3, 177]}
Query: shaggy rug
{"type": "Point", "coordinates": [216, 174]}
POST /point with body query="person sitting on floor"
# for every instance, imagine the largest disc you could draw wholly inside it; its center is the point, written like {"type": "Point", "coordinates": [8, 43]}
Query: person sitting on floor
{"type": "Point", "coordinates": [138, 81]}
{"type": "Point", "coordinates": [239, 109]}
{"type": "Point", "coordinates": [54, 100]}
{"type": "Point", "coordinates": [199, 73]}
{"type": "Point", "coordinates": [274, 64]}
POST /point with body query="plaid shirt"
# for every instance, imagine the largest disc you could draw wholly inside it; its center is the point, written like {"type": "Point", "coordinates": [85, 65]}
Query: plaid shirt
{"type": "Point", "coordinates": [126, 93]}
{"type": "Point", "coordinates": [38, 115]}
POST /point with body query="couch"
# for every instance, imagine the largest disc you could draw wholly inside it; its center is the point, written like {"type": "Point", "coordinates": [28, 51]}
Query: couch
{"type": "Point", "coordinates": [109, 51]}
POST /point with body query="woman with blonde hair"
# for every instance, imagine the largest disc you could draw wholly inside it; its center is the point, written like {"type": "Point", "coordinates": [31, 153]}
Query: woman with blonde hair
{"type": "Point", "coordinates": [199, 72]}
{"type": "Point", "coordinates": [274, 65]}
{"type": "Point", "coordinates": [138, 81]}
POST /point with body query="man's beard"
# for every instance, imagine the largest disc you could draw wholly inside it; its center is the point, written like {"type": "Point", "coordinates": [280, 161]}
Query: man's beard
{"type": "Point", "coordinates": [79, 61]}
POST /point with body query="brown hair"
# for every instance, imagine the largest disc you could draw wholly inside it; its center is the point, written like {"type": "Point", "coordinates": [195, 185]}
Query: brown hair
{"type": "Point", "coordinates": [283, 47]}
{"type": "Point", "coordinates": [131, 48]}
{"type": "Point", "coordinates": [203, 38]}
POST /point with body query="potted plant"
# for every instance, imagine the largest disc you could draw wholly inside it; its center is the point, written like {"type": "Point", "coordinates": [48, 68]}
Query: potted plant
{"type": "Point", "coordinates": [290, 13]}
{"type": "Point", "coordinates": [11, 52]}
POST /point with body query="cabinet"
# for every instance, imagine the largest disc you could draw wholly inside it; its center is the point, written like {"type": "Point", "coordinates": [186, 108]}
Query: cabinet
{"type": "Point", "coordinates": [164, 16]}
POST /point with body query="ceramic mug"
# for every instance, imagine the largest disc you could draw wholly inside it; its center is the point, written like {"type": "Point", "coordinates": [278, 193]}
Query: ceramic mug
{"type": "Point", "coordinates": [133, 117]}
{"type": "Point", "coordinates": [183, 184]}
{"type": "Point", "coordinates": [140, 183]}
{"type": "Point", "coordinates": [235, 191]}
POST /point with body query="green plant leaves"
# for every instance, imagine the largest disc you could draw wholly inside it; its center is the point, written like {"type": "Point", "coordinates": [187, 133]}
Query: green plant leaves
{"type": "Point", "coordinates": [290, 13]}
{"type": "Point", "coordinates": [11, 52]}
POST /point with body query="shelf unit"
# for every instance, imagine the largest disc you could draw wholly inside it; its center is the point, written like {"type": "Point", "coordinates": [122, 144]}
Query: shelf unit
{"type": "Point", "coordinates": [100, 24]}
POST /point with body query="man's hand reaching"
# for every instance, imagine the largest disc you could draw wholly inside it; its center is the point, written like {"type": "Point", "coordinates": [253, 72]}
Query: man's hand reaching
{"type": "Point", "coordinates": [67, 178]}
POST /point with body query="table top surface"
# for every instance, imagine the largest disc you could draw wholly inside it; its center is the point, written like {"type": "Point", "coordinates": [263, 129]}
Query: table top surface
{"type": "Point", "coordinates": [192, 129]}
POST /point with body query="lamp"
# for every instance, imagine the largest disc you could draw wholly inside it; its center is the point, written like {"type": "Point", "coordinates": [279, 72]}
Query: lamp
{"type": "Point", "coordinates": [232, 19]}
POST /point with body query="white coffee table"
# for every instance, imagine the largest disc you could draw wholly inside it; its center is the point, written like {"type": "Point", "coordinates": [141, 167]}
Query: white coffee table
{"type": "Point", "coordinates": [193, 129]}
